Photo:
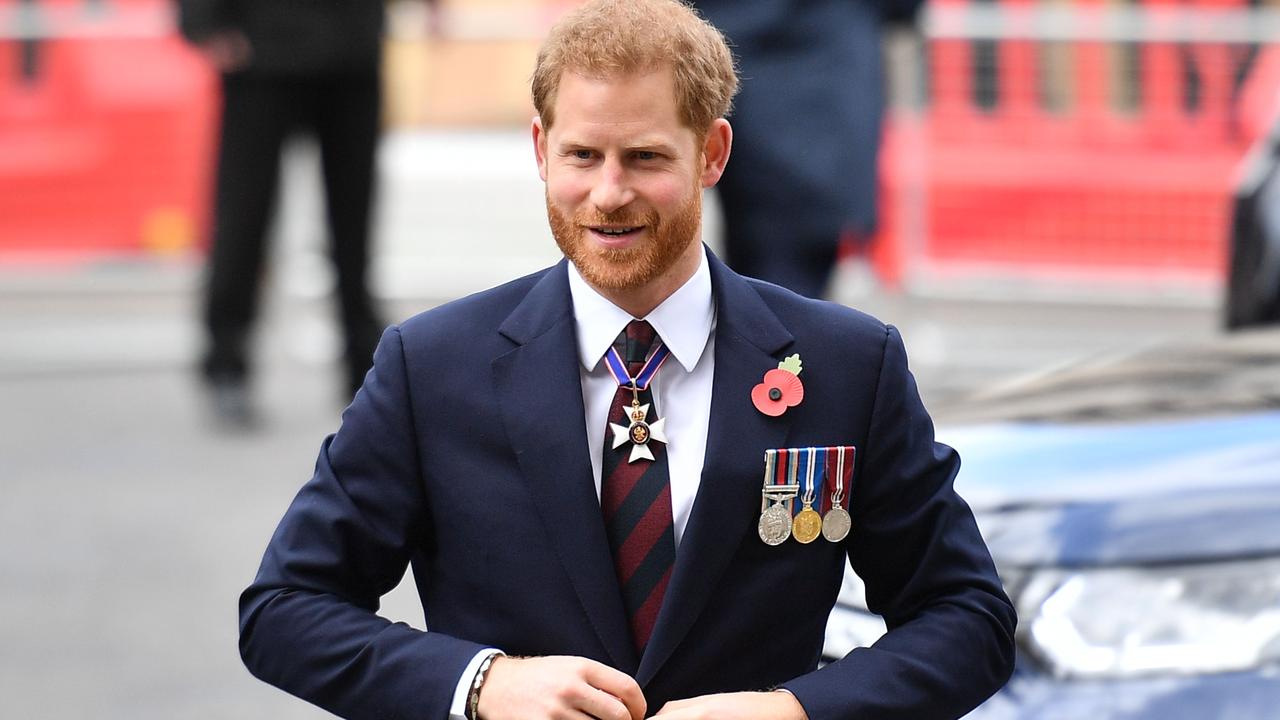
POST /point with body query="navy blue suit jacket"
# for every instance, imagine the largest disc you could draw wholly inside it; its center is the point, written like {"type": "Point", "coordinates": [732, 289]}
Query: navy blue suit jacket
{"type": "Point", "coordinates": [465, 454]}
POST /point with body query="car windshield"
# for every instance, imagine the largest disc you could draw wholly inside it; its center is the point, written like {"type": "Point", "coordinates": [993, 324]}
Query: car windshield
{"type": "Point", "coordinates": [1232, 374]}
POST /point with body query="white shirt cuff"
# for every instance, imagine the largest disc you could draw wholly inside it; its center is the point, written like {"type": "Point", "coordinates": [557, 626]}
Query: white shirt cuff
{"type": "Point", "coordinates": [458, 710]}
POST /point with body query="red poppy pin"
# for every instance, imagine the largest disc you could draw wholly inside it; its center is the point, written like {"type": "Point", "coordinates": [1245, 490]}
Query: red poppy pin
{"type": "Point", "coordinates": [780, 389]}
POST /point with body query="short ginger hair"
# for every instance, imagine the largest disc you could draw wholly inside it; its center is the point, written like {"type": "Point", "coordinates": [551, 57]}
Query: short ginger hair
{"type": "Point", "coordinates": [604, 39]}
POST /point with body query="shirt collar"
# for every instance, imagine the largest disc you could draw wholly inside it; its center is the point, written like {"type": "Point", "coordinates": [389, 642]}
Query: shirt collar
{"type": "Point", "coordinates": [683, 320]}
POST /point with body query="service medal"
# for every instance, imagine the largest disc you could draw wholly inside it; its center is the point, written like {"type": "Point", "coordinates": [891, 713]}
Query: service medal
{"type": "Point", "coordinates": [836, 524]}
{"type": "Point", "coordinates": [807, 525]}
{"type": "Point", "coordinates": [775, 524]}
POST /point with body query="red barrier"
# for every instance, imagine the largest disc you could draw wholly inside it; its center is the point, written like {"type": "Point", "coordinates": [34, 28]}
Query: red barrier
{"type": "Point", "coordinates": [1094, 183]}
{"type": "Point", "coordinates": [106, 138]}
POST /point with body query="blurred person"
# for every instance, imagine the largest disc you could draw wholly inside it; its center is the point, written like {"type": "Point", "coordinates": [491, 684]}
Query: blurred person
{"type": "Point", "coordinates": [1253, 271]}
{"type": "Point", "coordinates": [571, 462]}
{"type": "Point", "coordinates": [287, 65]}
{"type": "Point", "coordinates": [808, 126]}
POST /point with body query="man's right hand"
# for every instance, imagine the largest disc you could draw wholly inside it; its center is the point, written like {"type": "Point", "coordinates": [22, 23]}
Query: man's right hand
{"type": "Point", "coordinates": [558, 687]}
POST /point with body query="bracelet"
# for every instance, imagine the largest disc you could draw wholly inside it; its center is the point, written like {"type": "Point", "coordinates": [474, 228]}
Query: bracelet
{"type": "Point", "coordinates": [473, 698]}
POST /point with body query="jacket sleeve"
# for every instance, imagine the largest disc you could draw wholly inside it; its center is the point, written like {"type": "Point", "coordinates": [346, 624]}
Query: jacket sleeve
{"type": "Point", "coordinates": [915, 544]}
{"type": "Point", "coordinates": [308, 623]}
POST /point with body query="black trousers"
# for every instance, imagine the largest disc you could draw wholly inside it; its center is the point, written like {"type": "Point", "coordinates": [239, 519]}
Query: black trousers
{"type": "Point", "coordinates": [259, 113]}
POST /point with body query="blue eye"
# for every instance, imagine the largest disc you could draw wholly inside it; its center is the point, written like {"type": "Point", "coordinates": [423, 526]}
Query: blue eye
{"type": "Point", "coordinates": [582, 154]}
{"type": "Point", "coordinates": [646, 155]}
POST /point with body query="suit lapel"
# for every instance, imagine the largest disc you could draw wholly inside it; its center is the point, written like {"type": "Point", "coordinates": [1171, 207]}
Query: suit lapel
{"type": "Point", "coordinates": [749, 338]}
{"type": "Point", "coordinates": [540, 390]}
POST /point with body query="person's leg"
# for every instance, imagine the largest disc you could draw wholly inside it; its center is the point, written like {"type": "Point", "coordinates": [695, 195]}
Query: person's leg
{"type": "Point", "coordinates": [773, 250]}
{"type": "Point", "coordinates": [347, 123]}
{"type": "Point", "coordinates": [253, 128]}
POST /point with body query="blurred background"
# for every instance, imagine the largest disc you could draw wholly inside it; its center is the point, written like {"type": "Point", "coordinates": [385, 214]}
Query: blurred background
{"type": "Point", "coordinates": [1059, 180]}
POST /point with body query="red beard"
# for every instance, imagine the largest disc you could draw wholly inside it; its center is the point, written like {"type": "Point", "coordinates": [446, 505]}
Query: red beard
{"type": "Point", "coordinates": [635, 266]}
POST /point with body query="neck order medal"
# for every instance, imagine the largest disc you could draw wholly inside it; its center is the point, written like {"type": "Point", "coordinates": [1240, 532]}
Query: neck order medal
{"type": "Point", "coordinates": [638, 431]}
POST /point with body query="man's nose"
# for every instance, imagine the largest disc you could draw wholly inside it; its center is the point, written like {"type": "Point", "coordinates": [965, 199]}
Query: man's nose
{"type": "Point", "coordinates": [612, 189]}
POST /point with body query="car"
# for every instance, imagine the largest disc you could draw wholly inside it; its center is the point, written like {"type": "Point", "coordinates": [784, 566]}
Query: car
{"type": "Point", "coordinates": [1132, 506]}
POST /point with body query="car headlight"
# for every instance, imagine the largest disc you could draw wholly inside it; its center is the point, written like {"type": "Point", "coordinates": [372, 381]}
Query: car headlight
{"type": "Point", "coordinates": [1121, 622]}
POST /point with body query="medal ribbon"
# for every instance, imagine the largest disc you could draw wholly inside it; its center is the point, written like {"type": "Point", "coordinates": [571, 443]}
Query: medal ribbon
{"type": "Point", "coordinates": [642, 379]}
{"type": "Point", "coordinates": [793, 465]}
{"type": "Point", "coordinates": [777, 469]}
{"type": "Point", "coordinates": [837, 494]}
{"type": "Point", "coordinates": [811, 457]}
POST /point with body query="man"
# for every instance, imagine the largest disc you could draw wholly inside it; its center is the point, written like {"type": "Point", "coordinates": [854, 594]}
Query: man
{"type": "Point", "coordinates": [805, 170]}
{"type": "Point", "coordinates": [604, 533]}
{"type": "Point", "coordinates": [310, 65]}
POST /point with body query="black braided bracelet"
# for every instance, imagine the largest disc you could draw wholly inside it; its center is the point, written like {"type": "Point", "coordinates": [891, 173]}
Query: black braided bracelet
{"type": "Point", "coordinates": [473, 699]}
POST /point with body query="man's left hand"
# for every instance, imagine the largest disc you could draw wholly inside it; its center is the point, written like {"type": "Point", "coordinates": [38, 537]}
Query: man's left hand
{"type": "Point", "coordinates": [777, 705]}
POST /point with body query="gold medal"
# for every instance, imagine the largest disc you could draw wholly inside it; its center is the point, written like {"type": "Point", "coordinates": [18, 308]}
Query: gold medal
{"type": "Point", "coordinates": [807, 524]}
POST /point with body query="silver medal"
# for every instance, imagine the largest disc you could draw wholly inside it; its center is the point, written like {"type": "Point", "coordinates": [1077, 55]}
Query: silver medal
{"type": "Point", "coordinates": [775, 524]}
{"type": "Point", "coordinates": [836, 524]}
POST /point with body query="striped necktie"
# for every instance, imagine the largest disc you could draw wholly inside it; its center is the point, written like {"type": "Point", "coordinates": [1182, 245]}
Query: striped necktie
{"type": "Point", "coordinates": [636, 498]}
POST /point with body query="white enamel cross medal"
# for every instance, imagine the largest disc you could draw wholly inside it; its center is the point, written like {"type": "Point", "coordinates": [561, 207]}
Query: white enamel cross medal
{"type": "Point", "coordinates": [639, 433]}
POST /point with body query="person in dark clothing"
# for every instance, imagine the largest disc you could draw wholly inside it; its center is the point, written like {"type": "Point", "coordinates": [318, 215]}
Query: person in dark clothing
{"type": "Point", "coordinates": [287, 65]}
{"type": "Point", "coordinates": [807, 122]}
{"type": "Point", "coordinates": [1253, 272]}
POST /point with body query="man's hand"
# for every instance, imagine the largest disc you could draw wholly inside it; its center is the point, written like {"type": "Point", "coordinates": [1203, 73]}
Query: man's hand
{"type": "Point", "coordinates": [558, 687]}
{"type": "Point", "coordinates": [778, 705]}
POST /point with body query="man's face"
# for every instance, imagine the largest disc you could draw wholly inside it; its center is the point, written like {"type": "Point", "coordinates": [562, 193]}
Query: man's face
{"type": "Point", "coordinates": [624, 180]}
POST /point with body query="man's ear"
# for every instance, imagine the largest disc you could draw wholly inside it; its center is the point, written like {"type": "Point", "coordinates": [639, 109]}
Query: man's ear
{"type": "Point", "coordinates": [715, 151]}
{"type": "Point", "coordinates": [540, 146]}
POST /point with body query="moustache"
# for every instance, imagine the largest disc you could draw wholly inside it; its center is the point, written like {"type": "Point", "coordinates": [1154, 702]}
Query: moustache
{"type": "Point", "coordinates": [630, 219]}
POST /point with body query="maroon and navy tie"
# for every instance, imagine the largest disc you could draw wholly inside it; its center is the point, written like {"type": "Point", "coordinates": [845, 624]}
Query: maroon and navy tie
{"type": "Point", "coordinates": [636, 495]}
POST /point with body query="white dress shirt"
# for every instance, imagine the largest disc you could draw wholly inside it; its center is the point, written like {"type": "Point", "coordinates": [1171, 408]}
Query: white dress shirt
{"type": "Point", "coordinates": [686, 323]}
{"type": "Point", "coordinates": [681, 389]}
